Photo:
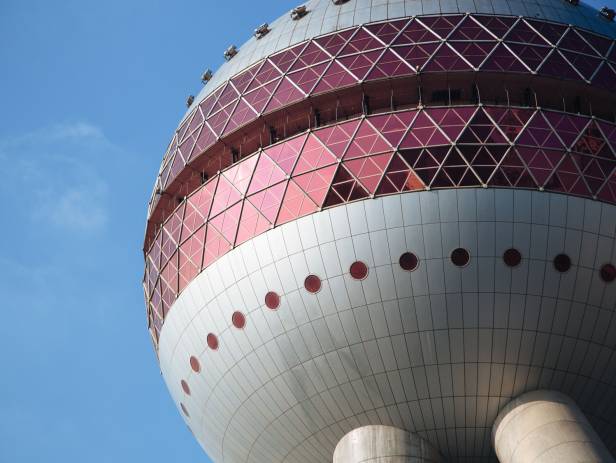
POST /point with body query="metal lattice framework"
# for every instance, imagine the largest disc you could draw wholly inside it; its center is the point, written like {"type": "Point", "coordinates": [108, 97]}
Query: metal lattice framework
{"type": "Point", "coordinates": [384, 50]}
{"type": "Point", "coordinates": [429, 148]}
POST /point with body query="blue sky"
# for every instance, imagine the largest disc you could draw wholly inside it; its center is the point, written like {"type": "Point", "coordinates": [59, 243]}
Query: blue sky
{"type": "Point", "coordinates": [91, 92]}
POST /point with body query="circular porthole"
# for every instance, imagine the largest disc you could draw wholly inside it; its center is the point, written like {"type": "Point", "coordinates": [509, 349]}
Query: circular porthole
{"type": "Point", "coordinates": [238, 319]}
{"type": "Point", "coordinates": [195, 365]}
{"type": "Point", "coordinates": [512, 257]}
{"type": "Point", "coordinates": [212, 341]}
{"type": "Point", "coordinates": [460, 257]}
{"type": "Point", "coordinates": [358, 270]}
{"type": "Point", "coordinates": [184, 410]}
{"type": "Point", "coordinates": [312, 283]}
{"type": "Point", "coordinates": [272, 300]}
{"type": "Point", "coordinates": [562, 263]}
{"type": "Point", "coordinates": [608, 273]}
{"type": "Point", "coordinates": [185, 387]}
{"type": "Point", "coordinates": [408, 261]}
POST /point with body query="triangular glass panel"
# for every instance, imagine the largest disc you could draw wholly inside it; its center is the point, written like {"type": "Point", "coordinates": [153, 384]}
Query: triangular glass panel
{"type": "Point", "coordinates": [295, 204]}
{"type": "Point", "coordinates": [470, 30]}
{"type": "Point", "coordinates": [268, 201]}
{"type": "Point", "coordinates": [337, 137]}
{"type": "Point", "coordinates": [311, 55]}
{"type": "Point", "coordinates": [531, 55]}
{"type": "Point", "coordinates": [521, 32]}
{"type": "Point", "coordinates": [366, 141]}
{"type": "Point", "coordinates": [369, 170]}
{"type": "Point", "coordinates": [539, 133]}
{"type": "Point", "coordinates": [394, 125]}
{"type": "Point", "coordinates": [307, 78]}
{"type": "Point", "coordinates": [333, 43]}
{"type": "Point", "coordinates": [266, 73]}
{"type": "Point", "coordinates": [205, 139]}
{"type": "Point", "coordinates": [552, 32]}
{"type": "Point", "coordinates": [417, 55]}
{"type": "Point", "coordinates": [441, 25]}
{"type": "Point", "coordinates": [360, 64]}
{"type": "Point", "coordinates": [285, 154]}
{"type": "Point", "coordinates": [259, 98]}
{"type": "Point", "coordinates": [451, 120]}
{"type": "Point", "coordinates": [567, 126]}
{"type": "Point", "coordinates": [585, 65]}
{"type": "Point", "coordinates": [415, 33]}
{"type": "Point", "coordinates": [592, 142]}
{"type": "Point", "coordinates": [252, 223]}
{"type": "Point", "coordinates": [242, 80]}
{"type": "Point", "coordinates": [474, 52]}
{"type": "Point", "coordinates": [509, 120]}
{"type": "Point", "coordinates": [285, 94]}
{"type": "Point", "coordinates": [334, 77]}
{"type": "Point", "coordinates": [497, 25]}
{"type": "Point", "coordinates": [240, 174]}
{"type": "Point", "coordinates": [266, 173]}
{"type": "Point", "coordinates": [555, 65]}
{"type": "Point", "coordinates": [605, 77]}
{"type": "Point", "coordinates": [242, 114]}
{"type": "Point", "coordinates": [226, 195]}
{"type": "Point", "coordinates": [387, 31]}
{"type": "Point", "coordinates": [314, 155]}
{"type": "Point", "coordinates": [317, 183]}
{"type": "Point", "coordinates": [285, 59]}
{"type": "Point", "coordinates": [423, 133]}
{"type": "Point", "coordinates": [600, 44]}
{"type": "Point", "coordinates": [399, 177]}
{"type": "Point", "coordinates": [446, 59]}
{"type": "Point", "coordinates": [389, 65]}
{"type": "Point", "coordinates": [344, 188]}
{"type": "Point", "coordinates": [193, 219]}
{"type": "Point", "coordinates": [215, 246]}
{"type": "Point", "coordinates": [362, 41]}
{"type": "Point", "coordinates": [502, 60]}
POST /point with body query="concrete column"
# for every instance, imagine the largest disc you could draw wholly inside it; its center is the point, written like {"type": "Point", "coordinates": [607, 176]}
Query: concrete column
{"type": "Point", "coordinates": [384, 444]}
{"type": "Point", "coordinates": [546, 427]}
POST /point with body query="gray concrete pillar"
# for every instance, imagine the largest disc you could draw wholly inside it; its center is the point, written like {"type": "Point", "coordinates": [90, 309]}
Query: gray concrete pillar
{"type": "Point", "coordinates": [384, 444]}
{"type": "Point", "coordinates": [546, 427]}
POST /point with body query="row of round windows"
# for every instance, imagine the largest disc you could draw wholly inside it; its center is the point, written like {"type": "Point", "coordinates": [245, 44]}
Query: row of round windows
{"type": "Point", "coordinates": [358, 270]}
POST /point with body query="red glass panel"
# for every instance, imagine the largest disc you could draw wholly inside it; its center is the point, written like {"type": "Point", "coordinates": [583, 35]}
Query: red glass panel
{"type": "Point", "coordinates": [539, 133]}
{"type": "Point", "coordinates": [360, 64]}
{"type": "Point", "coordinates": [605, 77]}
{"type": "Point", "coordinates": [218, 121]}
{"type": "Point", "coordinates": [521, 32]}
{"type": "Point", "coordinates": [483, 159]}
{"type": "Point", "coordinates": [367, 140]}
{"type": "Point", "coordinates": [259, 98]}
{"type": "Point", "coordinates": [192, 248]}
{"type": "Point", "coordinates": [551, 31]}
{"type": "Point", "coordinates": [307, 78]}
{"type": "Point", "coordinates": [600, 44]}
{"type": "Point", "coordinates": [176, 167]}
{"type": "Point", "coordinates": [423, 133]}
{"type": "Point", "coordinates": [244, 78]}
{"type": "Point", "coordinates": [566, 126]}
{"type": "Point", "coordinates": [442, 25]}
{"type": "Point", "coordinates": [334, 77]}
{"type": "Point", "coordinates": [167, 247]}
{"type": "Point", "coordinates": [187, 272]}
{"type": "Point", "coordinates": [474, 52]}
{"type": "Point", "coordinates": [530, 55]}
{"type": "Point", "coordinates": [285, 94]}
{"type": "Point", "coordinates": [469, 29]}
{"type": "Point", "coordinates": [337, 137]}
{"type": "Point", "coordinates": [227, 222]}
{"type": "Point", "coordinates": [314, 155]}
{"type": "Point", "coordinates": [360, 42]}
{"type": "Point", "coordinates": [414, 33]}
{"type": "Point", "coordinates": [285, 154]}
{"type": "Point", "coordinates": [295, 204]}
{"type": "Point", "coordinates": [267, 73]}
{"type": "Point", "coordinates": [417, 55]}
{"type": "Point", "coordinates": [206, 139]}
{"type": "Point", "coordinates": [387, 31]}
{"type": "Point", "coordinates": [228, 95]}
{"type": "Point", "coordinates": [510, 121]}
{"type": "Point", "coordinates": [344, 188]}
{"type": "Point", "coordinates": [251, 224]}
{"type": "Point", "coordinates": [389, 65]}
{"type": "Point", "coordinates": [285, 59]}
{"type": "Point", "coordinates": [497, 25]}
{"type": "Point", "coordinates": [333, 43]}
{"type": "Point", "coordinates": [399, 177]}
{"type": "Point", "coordinates": [451, 120]}
{"type": "Point", "coordinates": [512, 172]}
{"type": "Point", "coordinates": [226, 195]}
{"type": "Point", "coordinates": [208, 102]}
{"type": "Point", "coordinates": [242, 114]}
{"type": "Point", "coordinates": [609, 133]}
{"type": "Point", "coordinates": [446, 59]}
{"type": "Point", "coordinates": [215, 246]}
{"type": "Point", "coordinates": [266, 173]}
{"type": "Point", "coordinates": [574, 42]}
{"type": "Point", "coordinates": [240, 174]}
{"type": "Point", "coordinates": [268, 201]}
{"type": "Point", "coordinates": [311, 55]}
{"type": "Point", "coordinates": [186, 147]}
{"type": "Point", "coordinates": [393, 126]}
{"type": "Point", "coordinates": [169, 280]}
{"type": "Point", "coordinates": [369, 170]}
{"type": "Point", "coordinates": [585, 65]}
{"type": "Point", "coordinates": [316, 183]}
{"type": "Point", "coordinates": [503, 60]}
{"type": "Point", "coordinates": [425, 162]}
{"type": "Point", "coordinates": [195, 121]}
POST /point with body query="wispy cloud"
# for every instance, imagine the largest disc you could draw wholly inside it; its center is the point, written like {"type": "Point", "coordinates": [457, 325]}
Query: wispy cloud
{"type": "Point", "coordinates": [58, 172]}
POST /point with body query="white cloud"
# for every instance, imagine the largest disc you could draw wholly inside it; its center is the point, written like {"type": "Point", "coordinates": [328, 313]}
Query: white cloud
{"type": "Point", "coordinates": [59, 172]}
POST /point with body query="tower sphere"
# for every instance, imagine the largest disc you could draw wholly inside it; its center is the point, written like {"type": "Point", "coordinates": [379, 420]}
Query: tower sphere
{"type": "Point", "coordinates": [393, 219]}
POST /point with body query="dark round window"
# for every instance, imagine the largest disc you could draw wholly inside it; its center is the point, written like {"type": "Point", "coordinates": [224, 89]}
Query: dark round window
{"type": "Point", "coordinates": [409, 261]}
{"type": "Point", "coordinates": [238, 319]}
{"type": "Point", "coordinates": [460, 257]}
{"type": "Point", "coordinates": [212, 341]}
{"type": "Point", "coordinates": [184, 410]}
{"type": "Point", "coordinates": [608, 273]}
{"type": "Point", "coordinates": [272, 300]}
{"type": "Point", "coordinates": [512, 257]}
{"type": "Point", "coordinates": [312, 283]}
{"type": "Point", "coordinates": [195, 365]}
{"type": "Point", "coordinates": [562, 262]}
{"type": "Point", "coordinates": [358, 270]}
{"type": "Point", "coordinates": [185, 387]}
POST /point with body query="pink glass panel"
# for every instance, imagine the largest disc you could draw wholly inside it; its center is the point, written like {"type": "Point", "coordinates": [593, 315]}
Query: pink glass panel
{"type": "Point", "coordinates": [259, 97]}
{"type": "Point", "coordinates": [334, 77]}
{"type": "Point", "coordinates": [240, 174]}
{"type": "Point", "coordinates": [311, 55]}
{"type": "Point", "coordinates": [285, 94]}
{"type": "Point", "coordinates": [266, 173]}
{"type": "Point", "coordinates": [295, 204]}
{"type": "Point", "coordinates": [337, 137]}
{"type": "Point", "coordinates": [226, 195]}
{"type": "Point", "coordinates": [316, 183]}
{"type": "Point", "coordinates": [252, 223]}
{"type": "Point", "coordinates": [333, 43]}
{"type": "Point", "coordinates": [360, 64]}
{"type": "Point", "coordinates": [387, 31]}
{"type": "Point", "coordinates": [267, 73]}
{"type": "Point", "coordinates": [442, 25]}
{"type": "Point", "coordinates": [285, 59]}
{"type": "Point", "coordinates": [414, 33]}
{"type": "Point", "coordinates": [285, 154]}
{"type": "Point", "coordinates": [369, 170]}
{"type": "Point", "coordinates": [502, 60]}
{"type": "Point", "coordinates": [362, 41]}
{"type": "Point", "coordinates": [393, 126]}
{"type": "Point", "coordinates": [446, 59]}
{"type": "Point", "coordinates": [314, 156]}
{"type": "Point", "coordinates": [268, 201]}
{"type": "Point", "coordinates": [389, 65]}
{"type": "Point", "coordinates": [498, 26]}
{"type": "Point", "coordinates": [474, 52]}
{"type": "Point", "coordinates": [308, 77]}
{"type": "Point", "coordinates": [471, 30]}
{"type": "Point", "coordinates": [366, 141]}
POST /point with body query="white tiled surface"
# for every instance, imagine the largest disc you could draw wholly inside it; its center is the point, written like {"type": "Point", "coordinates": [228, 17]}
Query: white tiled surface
{"type": "Point", "coordinates": [325, 17]}
{"type": "Point", "coordinates": [437, 351]}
